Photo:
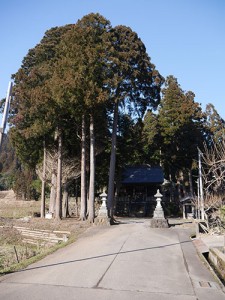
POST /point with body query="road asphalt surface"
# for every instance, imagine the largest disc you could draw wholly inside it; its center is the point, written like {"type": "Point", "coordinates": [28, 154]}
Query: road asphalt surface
{"type": "Point", "coordinates": [121, 262]}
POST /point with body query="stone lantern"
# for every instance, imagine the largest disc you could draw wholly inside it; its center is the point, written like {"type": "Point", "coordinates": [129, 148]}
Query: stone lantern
{"type": "Point", "coordinates": [158, 213]}
{"type": "Point", "coordinates": [103, 209]}
{"type": "Point", "coordinates": [158, 220]}
{"type": "Point", "coordinates": [102, 218]}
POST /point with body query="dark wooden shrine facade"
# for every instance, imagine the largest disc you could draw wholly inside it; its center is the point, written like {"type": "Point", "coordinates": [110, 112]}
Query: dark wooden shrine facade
{"type": "Point", "coordinates": [139, 184]}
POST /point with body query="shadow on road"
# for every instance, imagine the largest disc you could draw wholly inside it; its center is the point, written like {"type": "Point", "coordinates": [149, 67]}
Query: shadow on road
{"type": "Point", "coordinates": [100, 256]}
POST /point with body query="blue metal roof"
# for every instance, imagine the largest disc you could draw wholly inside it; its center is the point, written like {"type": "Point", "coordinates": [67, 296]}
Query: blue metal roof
{"type": "Point", "coordinates": [142, 174]}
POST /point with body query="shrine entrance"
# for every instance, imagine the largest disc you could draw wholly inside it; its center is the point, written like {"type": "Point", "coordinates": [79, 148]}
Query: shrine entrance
{"type": "Point", "coordinates": [138, 187]}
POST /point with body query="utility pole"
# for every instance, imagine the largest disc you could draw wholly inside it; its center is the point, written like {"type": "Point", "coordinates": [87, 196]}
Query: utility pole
{"type": "Point", "coordinates": [200, 185]}
{"type": "Point", "coordinates": [6, 112]}
{"type": "Point", "coordinates": [198, 198]}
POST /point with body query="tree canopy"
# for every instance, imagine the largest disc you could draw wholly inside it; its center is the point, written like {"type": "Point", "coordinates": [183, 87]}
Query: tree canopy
{"type": "Point", "coordinates": [215, 125]}
{"type": "Point", "coordinates": [173, 134]}
{"type": "Point", "coordinates": [80, 70]}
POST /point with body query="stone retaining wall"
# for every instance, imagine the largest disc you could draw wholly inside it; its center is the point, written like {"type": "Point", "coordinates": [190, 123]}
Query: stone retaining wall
{"type": "Point", "coordinates": [217, 259]}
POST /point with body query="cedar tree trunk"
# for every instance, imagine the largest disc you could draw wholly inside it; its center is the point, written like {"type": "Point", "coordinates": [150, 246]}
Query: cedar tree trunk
{"type": "Point", "coordinates": [110, 200]}
{"type": "Point", "coordinates": [91, 200]}
{"type": "Point", "coordinates": [43, 184]}
{"type": "Point", "coordinates": [58, 210]}
{"type": "Point", "coordinates": [83, 204]}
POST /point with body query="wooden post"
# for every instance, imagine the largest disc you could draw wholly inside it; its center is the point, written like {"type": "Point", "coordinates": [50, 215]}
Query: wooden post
{"type": "Point", "coordinates": [201, 185]}
{"type": "Point", "coordinates": [17, 258]}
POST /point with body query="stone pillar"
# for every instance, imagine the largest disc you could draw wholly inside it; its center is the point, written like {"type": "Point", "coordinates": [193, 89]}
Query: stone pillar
{"type": "Point", "coordinates": [184, 214]}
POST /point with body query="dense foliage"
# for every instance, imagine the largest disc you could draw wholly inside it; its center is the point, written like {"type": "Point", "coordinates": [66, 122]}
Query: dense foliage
{"type": "Point", "coordinates": [80, 74]}
{"type": "Point", "coordinates": [8, 164]}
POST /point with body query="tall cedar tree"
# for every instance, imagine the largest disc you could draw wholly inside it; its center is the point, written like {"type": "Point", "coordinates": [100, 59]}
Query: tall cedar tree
{"type": "Point", "coordinates": [78, 85]}
{"type": "Point", "coordinates": [36, 113]}
{"type": "Point", "coordinates": [134, 83]}
{"type": "Point", "coordinates": [181, 127]}
{"type": "Point", "coordinates": [215, 125]}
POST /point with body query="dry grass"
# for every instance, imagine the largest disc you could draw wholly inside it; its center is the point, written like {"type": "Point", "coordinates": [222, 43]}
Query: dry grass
{"type": "Point", "coordinates": [19, 209]}
{"type": "Point", "coordinates": [13, 208]}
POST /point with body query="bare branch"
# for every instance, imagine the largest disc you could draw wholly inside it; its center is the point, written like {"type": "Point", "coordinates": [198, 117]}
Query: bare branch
{"type": "Point", "coordinates": [70, 167]}
{"type": "Point", "coordinates": [214, 167]}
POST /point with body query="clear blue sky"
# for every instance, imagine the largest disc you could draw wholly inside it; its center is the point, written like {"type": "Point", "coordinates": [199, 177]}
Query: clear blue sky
{"type": "Point", "coordinates": [184, 38]}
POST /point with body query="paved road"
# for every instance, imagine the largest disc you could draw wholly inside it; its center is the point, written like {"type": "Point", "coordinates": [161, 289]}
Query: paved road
{"type": "Point", "coordinates": [123, 262]}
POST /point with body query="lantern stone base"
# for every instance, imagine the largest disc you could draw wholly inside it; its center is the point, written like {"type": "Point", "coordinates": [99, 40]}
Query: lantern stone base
{"type": "Point", "coordinates": [159, 223]}
{"type": "Point", "coordinates": [102, 221]}
{"type": "Point", "coordinates": [158, 213]}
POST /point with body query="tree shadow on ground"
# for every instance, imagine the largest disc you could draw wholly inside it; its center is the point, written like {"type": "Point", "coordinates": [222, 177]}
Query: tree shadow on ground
{"type": "Point", "coordinates": [100, 256]}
